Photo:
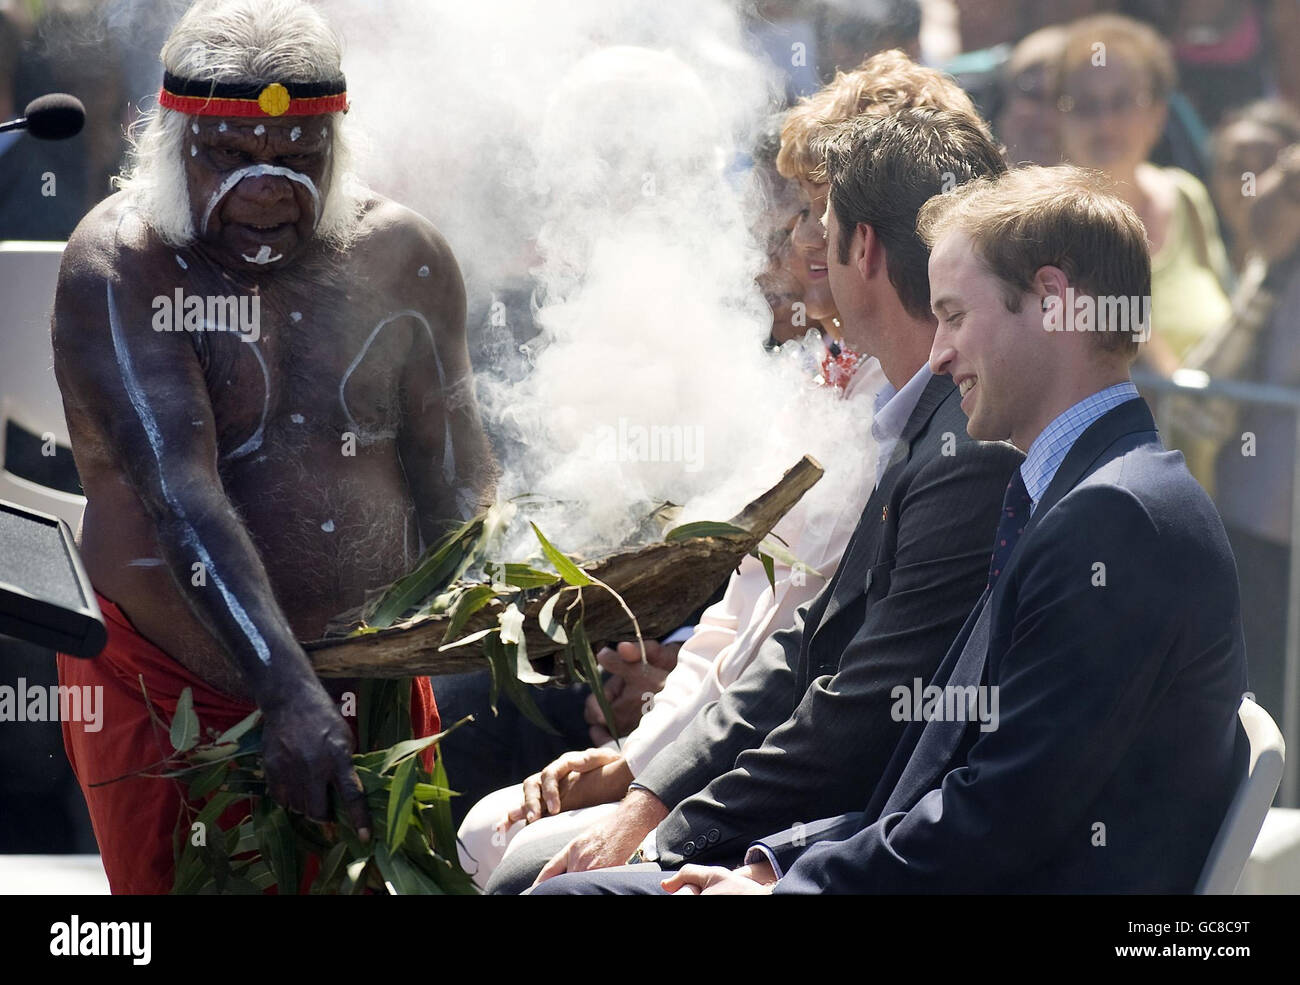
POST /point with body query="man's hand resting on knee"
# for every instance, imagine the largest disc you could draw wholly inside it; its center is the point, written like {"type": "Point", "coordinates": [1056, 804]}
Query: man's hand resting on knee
{"type": "Point", "coordinates": [611, 841]}
{"type": "Point", "coordinates": [573, 780]}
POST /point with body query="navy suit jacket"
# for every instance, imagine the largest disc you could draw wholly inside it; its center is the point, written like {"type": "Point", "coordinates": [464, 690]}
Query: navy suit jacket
{"type": "Point", "coordinates": [1114, 640]}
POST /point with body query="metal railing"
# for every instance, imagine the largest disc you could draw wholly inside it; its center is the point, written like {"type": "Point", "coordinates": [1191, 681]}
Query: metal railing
{"type": "Point", "coordinates": [1197, 385]}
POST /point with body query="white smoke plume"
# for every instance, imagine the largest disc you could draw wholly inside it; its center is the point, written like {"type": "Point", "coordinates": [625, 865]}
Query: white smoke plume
{"type": "Point", "coordinates": [581, 160]}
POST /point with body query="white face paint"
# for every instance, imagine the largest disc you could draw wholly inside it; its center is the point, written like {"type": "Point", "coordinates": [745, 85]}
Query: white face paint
{"type": "Point", "coordinates": [254, 171]}
{"type": "Point", "coordinates": [295, 133]}
{"type": "Point", "coordinates": [263, 256]}
{"type": "Point", "coordinates": [423, 272]}
{"type": "Point", "coordinates": [149, 423]}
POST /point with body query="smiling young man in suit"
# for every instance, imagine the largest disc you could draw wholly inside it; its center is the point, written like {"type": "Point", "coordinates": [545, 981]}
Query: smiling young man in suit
{"type": "Point", "coordinates": [808, 727]}
{"type": "Point", "coordinates": [1110, 631]}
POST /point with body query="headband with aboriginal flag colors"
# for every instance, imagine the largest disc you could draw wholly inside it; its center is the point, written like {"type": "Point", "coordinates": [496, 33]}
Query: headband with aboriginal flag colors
{"type": "Point", "coordinates": [253, 99]}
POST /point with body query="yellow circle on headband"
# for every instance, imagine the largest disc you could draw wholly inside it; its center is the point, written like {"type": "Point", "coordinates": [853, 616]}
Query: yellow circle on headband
{"type": "Point", "coordinates": [274, 99]}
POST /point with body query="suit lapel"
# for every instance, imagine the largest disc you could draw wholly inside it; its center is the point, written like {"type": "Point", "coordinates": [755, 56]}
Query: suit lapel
{"type": "Point", "coordinates": [940, 738]}
{"type": "Point", "coordinates": [860, 554]}
{"type": "Point", "coordinates": [932, 755]}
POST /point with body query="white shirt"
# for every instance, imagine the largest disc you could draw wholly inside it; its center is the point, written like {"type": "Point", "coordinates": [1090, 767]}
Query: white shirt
{"type": "Point", "coordinates": [893, 408]}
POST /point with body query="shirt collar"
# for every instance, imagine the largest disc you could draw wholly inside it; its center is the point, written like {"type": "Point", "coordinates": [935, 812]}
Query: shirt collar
{"type": "Point", "coordinates": [894, 407]}
{"type": "Point", "coordinates": [1050, 448]}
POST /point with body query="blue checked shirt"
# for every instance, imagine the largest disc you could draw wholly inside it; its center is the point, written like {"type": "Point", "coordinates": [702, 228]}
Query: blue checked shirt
{"type": "Point", "coordinates": [1050, 448]}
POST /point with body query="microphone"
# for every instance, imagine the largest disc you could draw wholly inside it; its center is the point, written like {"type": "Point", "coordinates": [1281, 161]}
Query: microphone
{"type": "Point", "coordinates": [54, 116]}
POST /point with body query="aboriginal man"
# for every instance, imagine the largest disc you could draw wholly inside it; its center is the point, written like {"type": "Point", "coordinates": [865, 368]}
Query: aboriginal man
{"type": "Point", "coordinates": [251, 467]}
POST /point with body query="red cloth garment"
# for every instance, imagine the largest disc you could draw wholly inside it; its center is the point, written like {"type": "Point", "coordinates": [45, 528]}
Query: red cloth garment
{"type": "Point", "coordinates": [135, 819]}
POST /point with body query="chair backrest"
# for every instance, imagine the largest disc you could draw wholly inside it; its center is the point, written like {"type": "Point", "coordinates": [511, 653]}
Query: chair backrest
{"type": "Point", "coordinates": [1249, 806]}
{"type": "Point", "coordinates": [29, 395]}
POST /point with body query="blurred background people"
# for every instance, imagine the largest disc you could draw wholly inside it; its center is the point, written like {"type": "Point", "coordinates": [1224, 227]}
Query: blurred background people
{"type": "Point", "coordinates": [1025, 117]}
{"type": "Point", "coordinates": [1257, 186]}
{"type": "Point", "coordinates": [1115, 79]}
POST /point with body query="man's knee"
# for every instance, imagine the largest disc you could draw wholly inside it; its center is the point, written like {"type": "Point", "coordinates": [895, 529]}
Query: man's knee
{"type": "Point", "coordinates": [523, 863]}
{"type": "Point", "coordinates": [623, 880]}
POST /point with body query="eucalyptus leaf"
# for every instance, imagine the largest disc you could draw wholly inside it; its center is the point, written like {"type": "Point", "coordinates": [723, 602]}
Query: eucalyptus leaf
{"type": "Point", "coordinates": [440, 819]}
{"type": "Point", "coordinates": [331, 868]}
{"type": "Point", "coordinates": [523, 668]}
{"type": "Point", "coordinates": [405, 750]}
{"type": "Point", "coordinates": [355, 880]}
{"type": "Point", "coordinates": [570, 572]}
{"type": "Point", "coordinates": [208, 780]}
{"type": "Point", "coordinates": [468, 601]}
{"type": "Point", "coordinates": [526, 576]}
{"type": "Point", "coordinates": [276, 843]}
{"type": "Point", "coordinates": [769, 569]}
{"type": "Point", "coordinates": [769, 545]}
{"type": "Point", "coordinates": [551, 626]}
{"type": "Point", "coordinates": [260, 875]}
{"type": "Point", "coordinates": [184, 732]}
{"type": "Point", "coordinates": [512, 624]}
{"type": "Point", "coordinates": [504, 672]}
{"type": "Point", "coordinates": [436, 569]}
{"type": "Point", "coordinates": [427, 793]}
{"type": "Point", "coordinates": [471, 638]}
{"type": "Point", "coordinates": [401, 801]}
{"type": "Point", "coordinates": [705, 528]}
{"type": "Point", "coordinates": [586, 659]}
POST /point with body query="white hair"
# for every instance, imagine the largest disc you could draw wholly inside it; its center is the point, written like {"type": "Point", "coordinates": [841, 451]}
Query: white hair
{"type": "Point", "coordinates": [240, 41]}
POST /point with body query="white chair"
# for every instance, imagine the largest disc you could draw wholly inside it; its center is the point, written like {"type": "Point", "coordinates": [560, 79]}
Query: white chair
{"type": "Point", "coordinates": [29, 395]}
{"type": "Point", "coordinates": [1249, 806]}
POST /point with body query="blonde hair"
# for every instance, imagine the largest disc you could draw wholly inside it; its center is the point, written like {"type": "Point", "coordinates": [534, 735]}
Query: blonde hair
{"type": "Point", "coordinates": [240, 41]}
{"type": "Point", "coordinates": [882, 85]}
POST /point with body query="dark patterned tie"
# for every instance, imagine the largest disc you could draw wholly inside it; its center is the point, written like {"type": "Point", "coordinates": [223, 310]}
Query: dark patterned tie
{"type": "Point", "coordinates": [1015, 514]}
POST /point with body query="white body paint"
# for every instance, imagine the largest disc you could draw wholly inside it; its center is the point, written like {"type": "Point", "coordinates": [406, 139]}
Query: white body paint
{"type": "Point", "coordinates": [145, 562]}
{"type": "Point", "coordinates": [254, 171]}
{"type": "Point", "coordinates": [180, 260]}
{"type": "Point", "coordinates": [328, 526]}
{"type": "Point", "coordinates": [222, 128]}
{"type": "Point", "coordinates": [423, 271]}
{"type": "Point", "coordinates": [194, 151]}
{"type": "Point", "coordinates": [295, 133]}
{"type": "Point", "coordinates": [194, 126]}
{"type": "Point", "coordinates": [254, 441]}
{"type": "Point", "coordinates": [296, 315]}
{"type": "Point", "coordinates": [263, 256]}
{"type": "Point", "coordinates": [297, 418]}
{"type": "Point", "coordinates": [448, 452]}
{"type": "Point", "coordinates": [259, 130]}
{"type": "Point", "coordinates": [149, 422]}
